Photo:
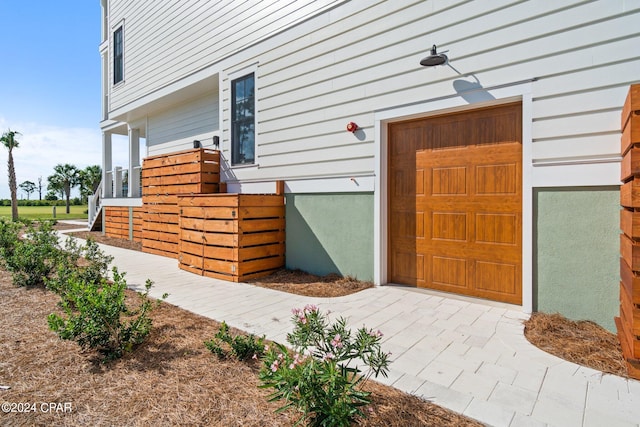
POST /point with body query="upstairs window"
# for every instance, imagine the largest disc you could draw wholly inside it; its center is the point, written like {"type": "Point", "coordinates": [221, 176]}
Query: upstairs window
{"type": "Point", "coordinates": [243, 120]}
{"type": "Point", "coordinates": [118, 56]}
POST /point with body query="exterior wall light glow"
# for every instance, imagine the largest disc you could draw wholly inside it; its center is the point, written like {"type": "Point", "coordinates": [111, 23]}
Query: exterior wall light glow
{"type": "Point", "coordinates": [352, 127]}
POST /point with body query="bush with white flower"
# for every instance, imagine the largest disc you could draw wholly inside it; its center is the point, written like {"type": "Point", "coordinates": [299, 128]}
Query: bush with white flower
{"type": "Point", "coordinates": [323, 375]}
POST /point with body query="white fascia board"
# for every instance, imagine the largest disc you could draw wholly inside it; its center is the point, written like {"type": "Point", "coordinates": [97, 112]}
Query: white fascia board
{"type": "Point", "coordinates": [587, 173]}
{"type": "Point", "coordinates": [347, 184]}
{"type": "Point", "coordinates": [122, 202]}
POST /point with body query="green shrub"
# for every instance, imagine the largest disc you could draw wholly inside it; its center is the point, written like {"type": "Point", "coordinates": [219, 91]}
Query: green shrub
{"type": "Point", "coordinates": [9, 236]}
{"type": "Point", "coordinates": [320, 378]}
{"type": "Point", "coordinates": [86, 263]}
{"type": "Point", "coordinates": [241, 347]}
{"type": "Point", "coordinates": [33, 258]}
{"type": "Point", "coordinates": [97, 317]}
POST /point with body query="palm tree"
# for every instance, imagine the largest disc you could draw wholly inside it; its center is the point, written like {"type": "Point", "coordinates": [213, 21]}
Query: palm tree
{"type": "Point", "coordinates": [90, 178]}
{"type": "Point", "coordinates": [63, 180]}
{"type": "Point", "coordinates": [8, 139]}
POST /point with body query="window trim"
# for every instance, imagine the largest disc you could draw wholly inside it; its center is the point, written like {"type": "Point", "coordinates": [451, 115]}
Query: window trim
{"type": "Point", "coordinates": [119, 28]}
{"type": "Point", "coordinates": [234, 150]}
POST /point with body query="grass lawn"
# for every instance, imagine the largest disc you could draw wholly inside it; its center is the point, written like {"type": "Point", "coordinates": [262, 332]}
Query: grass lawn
{"type": "Point", "coordinates": [45, 212]}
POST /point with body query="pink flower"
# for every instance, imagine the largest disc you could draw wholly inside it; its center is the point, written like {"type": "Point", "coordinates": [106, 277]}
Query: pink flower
{"type": "Point", "coordinates": [274, 366]}
{"type": "Point", "coordinates": [292, 365]}
{"type": "Point", "coordinates": [336, 342]}
{"type": "Point", "coordinates": [328, 356]}
{"type": "Point", "coordinates": [376, 334]}
{"type": "Point", "coordinates": [266, 348]}
{"type": "Point", "coordinates": [298, 359]}
{"type": "Point", "coordinates": [254, 357]}
{"type": "Point", "coordinates": [300, 314]}
{"type": "Point", "coordinates": [310, 308]}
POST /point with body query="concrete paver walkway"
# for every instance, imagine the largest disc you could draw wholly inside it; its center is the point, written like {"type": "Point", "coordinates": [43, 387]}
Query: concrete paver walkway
{"type": "Point", "coordinates": [463, 354]}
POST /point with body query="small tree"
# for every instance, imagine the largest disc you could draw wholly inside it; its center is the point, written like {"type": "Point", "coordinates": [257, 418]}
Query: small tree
{"type": "Point", "coordinates": [8, 139]}
{"type": "Point", "coordinates": [89, 179]}
{"type": "Point", "coordinates": [28, 187]}
{"type": "Point", "coordinates": [63, 180]}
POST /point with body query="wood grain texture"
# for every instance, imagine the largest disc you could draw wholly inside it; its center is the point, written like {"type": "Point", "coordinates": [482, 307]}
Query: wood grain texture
{"type": "Point", "coordinates": [232, 236]}
{"type": "Point", "coordinates": [455, 203]}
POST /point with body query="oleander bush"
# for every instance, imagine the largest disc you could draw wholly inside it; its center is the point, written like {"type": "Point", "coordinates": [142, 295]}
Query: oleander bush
{"type": "Point", "coordinates": [323, 376]}
{"type": "Point", "coordinates": [240, 346]}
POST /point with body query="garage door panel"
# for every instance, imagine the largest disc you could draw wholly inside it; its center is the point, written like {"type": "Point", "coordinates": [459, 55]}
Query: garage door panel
{"type": "Point", "coordinates": [419, 182]}
{"type": "Point", "coordinates": [464, 184]}
{"type": "Point", "coordinates": [449, 226]}
{"type": "Point", "coordinates": [498, 280]}
{"type": "Point", "coordinates": [497, 228]}
{"type": "Point", "coordinates": [408, 267]}
{"type": "Point", "coordinates": [448, 181]}
{"type": "Point", "coordinates": [449, 271]}
{"type": "Point", "coordinates": [497, 179]}
{"type": "Point", "coordinates": [404, 183]}
{"type": "Point", "coordinates": [407, 225]}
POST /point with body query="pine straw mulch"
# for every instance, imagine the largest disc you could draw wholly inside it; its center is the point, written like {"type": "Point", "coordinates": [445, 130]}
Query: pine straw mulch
{"type": "Point", "coordinates": [582, 342]}
{"type": "Point", "coordinates": [171, 379]}
{"type": "Point", "coordinates": [302, 283]}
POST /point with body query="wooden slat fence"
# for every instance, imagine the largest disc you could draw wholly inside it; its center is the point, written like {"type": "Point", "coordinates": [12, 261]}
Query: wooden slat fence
{"type": "Point", "coordinates": [628, 323]}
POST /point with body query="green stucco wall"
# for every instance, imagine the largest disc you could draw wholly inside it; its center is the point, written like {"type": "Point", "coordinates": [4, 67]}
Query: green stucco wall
{"type": "Point", "coordinates": [330, 233]}
{"type": "Point", "coordinates": [576, 253]}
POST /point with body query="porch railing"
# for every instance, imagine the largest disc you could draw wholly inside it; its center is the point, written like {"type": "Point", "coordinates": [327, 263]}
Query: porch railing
{"type": "Point", "coordinates": [95, 204]}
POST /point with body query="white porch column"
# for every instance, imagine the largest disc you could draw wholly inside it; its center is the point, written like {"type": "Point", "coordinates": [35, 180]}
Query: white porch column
{"type": "Point", "coordinates": [134, 163]}
{"type": "Point", "coordinates": [117, 181]}
{"type": "Point", "coordinates": [107, 165]}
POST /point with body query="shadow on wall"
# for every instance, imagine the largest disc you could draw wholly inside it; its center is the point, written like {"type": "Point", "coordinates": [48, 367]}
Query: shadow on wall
{"type": "Point", "coordinates": [303, 246]}
{"type": "Point", "coordinates": [472, 91]}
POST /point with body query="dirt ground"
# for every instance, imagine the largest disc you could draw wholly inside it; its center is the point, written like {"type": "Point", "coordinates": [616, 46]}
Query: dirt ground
{"type": "Point", "coordinates": [171, 379]}
{"type": "Point", "coordinates": [583, 342]}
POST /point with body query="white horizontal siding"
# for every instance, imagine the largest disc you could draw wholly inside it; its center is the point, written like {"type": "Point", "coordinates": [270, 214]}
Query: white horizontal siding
{"type": "Point", "coordinates": [591, 47]}
{"type": "Point", "coordinates": [166, 40]}
{"type": "Point", "coordinates": [176, 129]}
{"type": "Point", "coordinates": [362, 56]}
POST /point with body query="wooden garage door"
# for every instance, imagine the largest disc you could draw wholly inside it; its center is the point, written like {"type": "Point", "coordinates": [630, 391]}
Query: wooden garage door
{"type": "Point", "coordinates": [455, 203]}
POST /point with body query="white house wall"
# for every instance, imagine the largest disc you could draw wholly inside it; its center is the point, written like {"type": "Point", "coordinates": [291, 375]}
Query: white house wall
{"type": "Point", "coordinates": [167, 40]}
{"type": "Point", "coordinates": [363, 56]}
{"type": "Point", "coordinates": [176, 129]}
{"type": "Point", "coordinates": [322, 64]}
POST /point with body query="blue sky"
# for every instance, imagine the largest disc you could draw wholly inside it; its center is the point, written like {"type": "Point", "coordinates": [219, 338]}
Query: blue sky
{"type": "Point", "coordinates": [50, 85]}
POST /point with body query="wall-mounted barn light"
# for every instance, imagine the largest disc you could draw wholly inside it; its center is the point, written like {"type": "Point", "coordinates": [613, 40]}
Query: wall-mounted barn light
{"type": "Point", "coordinates": [196, 144]}
{"type": "Point", "coordinates": [434, 59]}
{"type": "Point", "coordinates": [352, 127]}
